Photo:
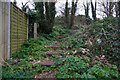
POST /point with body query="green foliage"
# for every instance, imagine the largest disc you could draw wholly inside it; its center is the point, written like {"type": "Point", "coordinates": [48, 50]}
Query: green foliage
{"type": "Point", "coordinates": [107, 30]}
{"type": "Point", "coordinates": [75, 42]}
{"type": "Point", "coordinates": [88, 20]}
{"type": "Point", "coordinates": [75, 67]}
{"type": "Point", "coordinates": [103, 71]}
{"type": "Point", "coordinates": [22, 69]}
{"type": "Point", "coordinates": [45, 21]}
{"type": "Point", "coordinates": [39, 7]}
{"type": "Point", "coordinates": [71, 66]}
{"type": "Point", "coordinates": [87, 59]}
{"type": "Point", "coordinates": [32, 19]}
{"type": "Point", "coordinates": [21, 74]}
{"type": "Point", "coordinates": [60, 29]}
{"type": "Point", "coordinates": [32, 49]}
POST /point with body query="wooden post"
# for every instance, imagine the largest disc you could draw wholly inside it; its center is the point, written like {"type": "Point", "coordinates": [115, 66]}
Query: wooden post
{"type": "Point", "coordinates": [8, 53]}
{"type": "Point", "coordinates": [27, 10]}
{"type": "Point", "coordinates": [1, 36]}
{"type": "Point", "coordinates": [35, 30]}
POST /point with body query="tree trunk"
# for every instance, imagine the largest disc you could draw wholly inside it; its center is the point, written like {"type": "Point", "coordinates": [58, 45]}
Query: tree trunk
{"type": "Point", "coordinates": [74, 6]}
{"type": "Point", "coordinates": [93, 10]}
{"type": "Point", "coordinates": [116, 9]}
{"type": "Point", "coordinates": [45, 20]}
{"type": "Point", "coordinates": [40, 15]}
{"type": "Point", "coordinates": [72, 15]}
{"type": "Point", "coordinates": [52, 12]}
{"type": "Point", "coordinates": [111, 5]}
{"type": "Point", "coordinates": [86, 8]}
{"type": "Point", "coordinates": [119, 12]}
{"type": "Point", "coordinates": [47, 10]}
{"type": "Point", "coordinates": [66, 14]}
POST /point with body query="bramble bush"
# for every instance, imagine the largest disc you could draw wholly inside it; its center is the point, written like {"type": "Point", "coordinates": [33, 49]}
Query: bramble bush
{"type": "Point", "coordinates": [104, 35]}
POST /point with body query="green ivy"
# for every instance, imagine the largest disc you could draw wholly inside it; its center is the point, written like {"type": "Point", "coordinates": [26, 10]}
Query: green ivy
{"type": "Point", "coordinates": [75, 67]}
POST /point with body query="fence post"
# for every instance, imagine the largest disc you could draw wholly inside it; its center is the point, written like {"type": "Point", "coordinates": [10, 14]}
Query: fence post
{"type": "Point", "coordinates": [8, 30]}
{"type": "Point", "coordinates": [35, 30]}
{"type": "Point", "coordinates": [1, 36]}
{"type": "Point", "coordinates": [27, 10]}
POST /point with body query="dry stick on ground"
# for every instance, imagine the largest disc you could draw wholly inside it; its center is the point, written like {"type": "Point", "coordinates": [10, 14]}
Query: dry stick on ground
{"type": "Point", "coordinates": [6, 63]}
{"type": "Point", "coordinates": [104, 32]}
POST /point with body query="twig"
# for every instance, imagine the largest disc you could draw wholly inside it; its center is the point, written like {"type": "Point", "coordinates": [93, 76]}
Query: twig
{"type": "Point", "coordinates": [6, 63]}
{"type": "Point", "coordinates": [104, 32]}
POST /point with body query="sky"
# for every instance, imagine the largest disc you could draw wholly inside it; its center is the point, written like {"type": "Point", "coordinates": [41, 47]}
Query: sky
{"type": "Point", "coordinates": [60, 4]}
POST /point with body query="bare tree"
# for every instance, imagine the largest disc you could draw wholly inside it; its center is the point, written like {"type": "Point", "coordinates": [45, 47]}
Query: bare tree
{"type": "Point", "coordinates": [74, 6]}
{"type": "Point", "coordinates": [108, 8]}
{"type": "Point", "coordinates": [86, 8]}
{"type": "Point", "coordinates": [47, 10]}
{"type": "Point", "coordinates": [119, 12]}
{"type": "Point", "coordinates": [93, 9]}
{"type": "Point", "coordinates": [116, 9]}
{"type": "Point", "coordinates": [25, 6]}
{"type": "Point", "coordinates": [66, 14]}
{"type": "Point", "coordinates": [119, 7]}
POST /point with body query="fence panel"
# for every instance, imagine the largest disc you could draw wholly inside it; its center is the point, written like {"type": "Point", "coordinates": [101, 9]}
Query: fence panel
{"type": "Point", "coordinates": [18, 27]}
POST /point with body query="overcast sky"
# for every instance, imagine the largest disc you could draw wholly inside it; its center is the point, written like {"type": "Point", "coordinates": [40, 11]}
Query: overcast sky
{"type": "Point", "coordinates": [60, 4]}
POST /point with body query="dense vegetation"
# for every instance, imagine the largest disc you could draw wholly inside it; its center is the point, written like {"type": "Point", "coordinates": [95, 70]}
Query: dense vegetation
{"type": "Point", "coordinates": [88, 52]}
{"type": "Point", "coordinates": [47, 17]}
{"type": "Point", "coordinates": [80, 67]}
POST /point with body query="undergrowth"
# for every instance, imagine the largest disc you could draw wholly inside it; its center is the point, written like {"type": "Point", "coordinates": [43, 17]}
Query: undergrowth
{"type": "Point", "coordinates": [104, 38]}
{"type": "Point", "coordinates": [98, 39]}
{"type": "Point", "coordinates": [80, 67]}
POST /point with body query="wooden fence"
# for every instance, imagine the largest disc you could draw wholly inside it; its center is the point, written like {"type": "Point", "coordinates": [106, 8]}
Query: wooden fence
{"type": "Point", "coordinates": [18, 28]}
{"type": "Point", "coordinates": [13, 29]}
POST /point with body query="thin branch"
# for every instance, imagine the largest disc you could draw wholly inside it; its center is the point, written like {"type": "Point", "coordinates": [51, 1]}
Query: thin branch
{"type": "Point", "coordinates": [6, 63]}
